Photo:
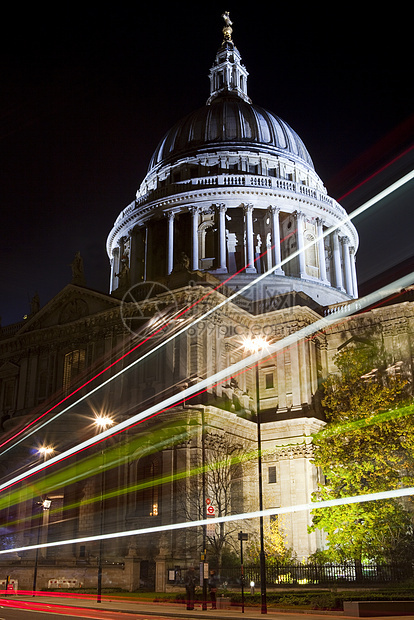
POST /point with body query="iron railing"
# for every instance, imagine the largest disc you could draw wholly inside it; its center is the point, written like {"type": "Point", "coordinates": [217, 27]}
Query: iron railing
{"type": "Point", "coordinates": [310, 574]}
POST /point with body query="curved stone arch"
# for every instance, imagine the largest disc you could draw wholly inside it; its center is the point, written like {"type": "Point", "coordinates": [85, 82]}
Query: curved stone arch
{"type": "Point", "coordinates": [311, 254]}
{"type": "Point", "coordinates": [146, 496]}
{"type": "Point", "coordinates": [205, 227]}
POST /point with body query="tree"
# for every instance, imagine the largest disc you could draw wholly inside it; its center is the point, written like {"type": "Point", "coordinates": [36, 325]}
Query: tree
{"type": "Point", "coordinates": [276, 551]}
{"type": "Point", "coordinates": [367, 446]}
{"type": "Point", "coordinates": [221, 485]}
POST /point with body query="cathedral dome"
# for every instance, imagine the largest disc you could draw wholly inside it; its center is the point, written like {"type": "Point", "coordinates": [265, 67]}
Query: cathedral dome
{"type": "Point", "coordinates": [232, 189]}
{"type": "Point", "coordinates": [229, 122]}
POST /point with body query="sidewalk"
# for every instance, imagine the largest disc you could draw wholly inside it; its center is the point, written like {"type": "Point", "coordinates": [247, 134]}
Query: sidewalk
{"type": "Point", "coordinates": [177, 610]}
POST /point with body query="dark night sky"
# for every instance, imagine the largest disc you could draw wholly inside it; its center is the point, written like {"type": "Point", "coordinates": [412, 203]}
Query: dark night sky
{"type": "Point", "coordinates": [86, 94]}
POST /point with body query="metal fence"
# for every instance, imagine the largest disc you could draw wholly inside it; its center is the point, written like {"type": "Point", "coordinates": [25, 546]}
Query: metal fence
{"type": "Point", "coordinates": [320, 574]}
{"type": "Point", "coordinates": [309, 574]}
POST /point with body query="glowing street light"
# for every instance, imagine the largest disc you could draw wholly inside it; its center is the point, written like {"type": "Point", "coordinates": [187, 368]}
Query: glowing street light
{"type": "Point", "coordinates": [45, 451]}
{"type": "Point", "coordinates": [102, 422]}
{"type": "Point", "coordinates": [255, 345]}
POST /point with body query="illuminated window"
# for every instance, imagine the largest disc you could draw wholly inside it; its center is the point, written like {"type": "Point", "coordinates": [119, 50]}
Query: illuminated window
{"type": "Point", "coordinates": [73, 365]}
{"type": "Point", "coordinates": [148, 499]}
{"type": "Point", "coordinates": [153, 475]}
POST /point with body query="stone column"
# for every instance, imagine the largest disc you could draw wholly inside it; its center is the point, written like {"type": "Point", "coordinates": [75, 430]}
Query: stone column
{"type": "Point", "coordinates": [274, 212]}
{"type": "Point", "coordinates": [114, 268]}
{"type": "Point", "coordinates": [321, 250]}
{"type": "Point", "coordinates": [300, 243]}
{"type": "Point", "coordinates": [353, 271]}
{"type": "Point", "coordinates": [347, 265]}
{"type": "Point", "coordinates": [221, 209]}
{"type": "Point", "coordinates": [133, 258]}
{"type": "Point", "coordinates": [248, 213]}
{"type": "Point", "coordinates": [194, 238]}
{"type": "Point", "coordinates": [170, 242]}
{"type": "Point", "coordinates": [337, 261]}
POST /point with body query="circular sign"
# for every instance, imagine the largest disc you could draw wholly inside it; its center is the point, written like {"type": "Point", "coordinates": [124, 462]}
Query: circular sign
{"type": "Point", "coordinates": [148, 309]}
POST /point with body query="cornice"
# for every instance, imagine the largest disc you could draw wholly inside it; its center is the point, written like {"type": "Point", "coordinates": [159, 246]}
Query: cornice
{"type": "Point", "coordinates": [86, 328]}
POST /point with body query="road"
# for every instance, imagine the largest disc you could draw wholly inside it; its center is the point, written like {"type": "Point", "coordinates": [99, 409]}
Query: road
{"type": "Point", "coordinates": [22, 610]}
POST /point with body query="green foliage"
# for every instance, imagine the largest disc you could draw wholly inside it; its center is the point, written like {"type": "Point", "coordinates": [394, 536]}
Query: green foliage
{"type": "Point", "coordinates": [276, 551]}
{"type": "Point", "coordinates": [367, 446]}
{"type": "Point", "coordinates": [229, 559]}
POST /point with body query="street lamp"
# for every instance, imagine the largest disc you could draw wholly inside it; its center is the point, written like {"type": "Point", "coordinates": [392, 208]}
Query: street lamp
{"type": "Point", "coordinates": [45, 504]}
{"type": "Point", "coordinates": [256, 345]}
{"type": "Point", "coordinates": [45, 451]}
{"type": "Point", "coordinates": [242, 536]}
{"type": "Point", "coordinates": [102, 422]}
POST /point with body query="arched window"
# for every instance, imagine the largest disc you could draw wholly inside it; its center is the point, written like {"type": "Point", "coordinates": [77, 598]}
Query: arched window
{"type": "Point", "coordinates": [74, 364]}
{"type": "Point", "coordinates": [149, 492]}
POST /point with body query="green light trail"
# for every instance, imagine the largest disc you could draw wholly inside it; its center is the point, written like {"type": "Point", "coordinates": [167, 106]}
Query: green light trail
{"type": "Point", "coordinates": [354, 425]}
{"type": "Point", "coordinates": [142, 485]}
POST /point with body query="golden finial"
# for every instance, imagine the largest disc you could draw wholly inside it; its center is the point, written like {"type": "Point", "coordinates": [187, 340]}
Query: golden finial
{"type": "Point", "coordinates": [227, 30]}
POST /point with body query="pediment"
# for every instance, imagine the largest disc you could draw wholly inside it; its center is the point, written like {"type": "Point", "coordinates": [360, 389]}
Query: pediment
{"type": "Point", "coordinates": [69, 305]}
{"type": "Point", "coordinates": [8, 370]}
{"type": "Point", "coordinates": [358, 340]}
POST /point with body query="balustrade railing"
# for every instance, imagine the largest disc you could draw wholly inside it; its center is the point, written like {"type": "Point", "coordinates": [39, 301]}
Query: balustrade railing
{"type": "Point", "coordinates": [231, 180]}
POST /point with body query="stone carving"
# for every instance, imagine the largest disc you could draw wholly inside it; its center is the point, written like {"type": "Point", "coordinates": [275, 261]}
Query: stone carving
{"type": "Point", "coordinates": [123, 275]}
{"type": "Point", "coordinates": [78, 276]}
{"type": "Point", "coordinates": [182, 263]}
{"type": "Point", "coordinates": [75, 309]}
{"type": "Point", "coordinates": [35, 304]}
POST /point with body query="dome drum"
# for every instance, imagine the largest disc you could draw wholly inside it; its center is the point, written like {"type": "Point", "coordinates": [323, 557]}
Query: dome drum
{"type": "Point", "coordinates": [231, 237]}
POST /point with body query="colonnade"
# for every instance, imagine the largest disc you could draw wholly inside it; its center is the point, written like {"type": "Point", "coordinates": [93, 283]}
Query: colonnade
{"type": "Point", "coordinates": [335, 254]}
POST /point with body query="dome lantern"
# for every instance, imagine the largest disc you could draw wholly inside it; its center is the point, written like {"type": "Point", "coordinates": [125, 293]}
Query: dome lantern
{"type": "Point", "coordinates": [228, 75]}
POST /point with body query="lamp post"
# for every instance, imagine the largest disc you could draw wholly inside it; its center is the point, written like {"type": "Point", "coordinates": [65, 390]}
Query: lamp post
{"type": "Point", "coordinates": [45, 504]}
{"type": "Point", "coordinates": [101, 422]}
{"type": "Point", "coordinates": [45, 451]}
{"type": "Point", "coordinates": [242, 536]}
{"type": "Point", "coordinates": [203, 578]}
{"type": "Point", "coordinates": [254, 345]}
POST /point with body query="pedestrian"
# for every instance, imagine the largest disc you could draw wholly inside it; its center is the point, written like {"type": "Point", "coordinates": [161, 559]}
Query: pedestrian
{"type": "Point", "coordinates": [190, 583]}
{"type": "Point", "coordinates": [212, 585]}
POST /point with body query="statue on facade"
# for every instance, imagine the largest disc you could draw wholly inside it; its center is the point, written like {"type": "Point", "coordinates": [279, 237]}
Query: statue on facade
{"type": "Point", "coordinates": [123, 275]}
{"type": "Point", "coordinates": [35, 304]}
{"type": "Point", "coordinates": [78, 276]}
{"type": "Point", "coordinates": [182, 263]}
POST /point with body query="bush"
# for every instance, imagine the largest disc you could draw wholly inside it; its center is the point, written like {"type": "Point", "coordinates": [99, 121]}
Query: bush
{"type": "Point", "coordinates": [328, 600]}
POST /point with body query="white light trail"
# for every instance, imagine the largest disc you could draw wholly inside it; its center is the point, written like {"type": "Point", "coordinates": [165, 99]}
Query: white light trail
{"type": "Point", "coordinates": [357, 499]}
{"type": "Point", "coordinates": [185, 394]}
{"type": "Point", "coordinates": [386, 192]}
